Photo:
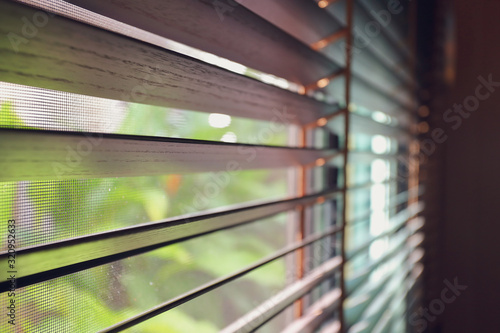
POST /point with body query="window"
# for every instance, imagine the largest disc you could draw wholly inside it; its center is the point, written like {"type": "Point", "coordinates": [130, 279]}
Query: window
{"type": "Point", "coordinates": [205, 166]}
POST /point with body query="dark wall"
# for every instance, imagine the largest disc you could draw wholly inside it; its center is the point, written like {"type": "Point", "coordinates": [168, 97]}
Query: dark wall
{"type": "Point", "coordinates": [470, 178]}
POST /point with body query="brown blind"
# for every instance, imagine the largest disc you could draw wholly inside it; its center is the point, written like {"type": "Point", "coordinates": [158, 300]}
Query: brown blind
{"type": "Point", "coordinates": [208, 166]}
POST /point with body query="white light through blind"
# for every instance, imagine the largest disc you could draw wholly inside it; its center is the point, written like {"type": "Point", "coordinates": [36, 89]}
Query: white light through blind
{"type": "Point", "coordinates": [202, 166]}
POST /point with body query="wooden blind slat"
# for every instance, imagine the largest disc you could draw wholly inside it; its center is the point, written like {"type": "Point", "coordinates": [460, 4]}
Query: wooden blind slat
{"type": "Point", "coordinates": [46, 155]}
{"type": "Point", "coordinates": [307, 22]}
{"type": "Point", "coordinates": [225, 29]}
{"type": "Point", "coordinates": [397, 222]}
{"type": "Point", "coordinates": [255, 319]}
{"type": "Point", "coordinates": [317, 313]}
{"type": "Point", "coordinates": [74, 57]}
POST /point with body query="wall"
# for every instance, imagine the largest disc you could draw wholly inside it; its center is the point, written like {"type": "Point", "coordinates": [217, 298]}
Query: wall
{"type": "Point", "coordinates": [470, 176]}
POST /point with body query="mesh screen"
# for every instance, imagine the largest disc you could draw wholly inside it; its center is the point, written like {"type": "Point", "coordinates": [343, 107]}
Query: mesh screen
{"type": "Point", "coordinates": [38, 108]}
{"type": "Point", "coordinates": [95, 298]}
{"type": "Point", "coordinates": [54, 210]}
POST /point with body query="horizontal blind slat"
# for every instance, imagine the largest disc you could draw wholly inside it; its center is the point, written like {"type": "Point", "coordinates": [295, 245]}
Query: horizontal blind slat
{"type": "Point", "coordinates": [394, 201]}
{"type": "Point", "coordinates": [316, 314]}
{"type": "Point", "coordinates": [380, 301]}
{"type": "Point", "coordinates": [232, 32]}
{"type": "Point", "coordinates": [333, 327]}
{"type": "Point", "coordinates": [363, 157]}
{"type": "Point", "coordinates": [39, 155]}
{"type": "Point", "coordinates": [397, 222]}
{"type": "Point", "coordinates": [307, 22]}
{"type": "Point", "coordinates": [381, 47]}
{"type": "Point", "coordinates": [361, 311]}
{"type": "Point", "coordinates": [360, 124]}
{"type": "Point", "coordinates": [394, 29]}
{"type": "Point", "coordinates": [255, 319]}
{"type": "Point", "coordinates": [74, 57]}
{"type": "Point", "coordinates": [355, 283]}
{"type": "Point", "coordinates": [366, 312]}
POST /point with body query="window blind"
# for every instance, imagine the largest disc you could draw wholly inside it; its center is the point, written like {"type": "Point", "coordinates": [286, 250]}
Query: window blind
{"type": "Point", "coordinates": [205, 166]}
